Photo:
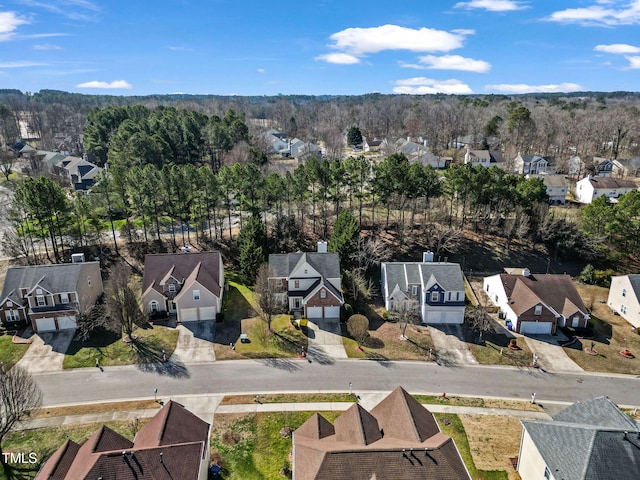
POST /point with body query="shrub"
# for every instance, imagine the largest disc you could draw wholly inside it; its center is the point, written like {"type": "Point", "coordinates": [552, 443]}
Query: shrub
{"type": "Point", "coordinates": [358, 328]}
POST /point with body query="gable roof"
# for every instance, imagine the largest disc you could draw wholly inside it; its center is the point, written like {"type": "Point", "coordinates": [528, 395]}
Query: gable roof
{"type": "Point", "coordinates": [610, 182]}
{"type": "Point", "coordinates": [634, 280]}
{"type": "Point", "coordinates": [170, 446]}
{"type": "Point", "coordinates": [447, 275]}
{"type": "Point", "coordinates": [554, 290]}
{"type": "Point", "coordinates": [399, 439]}
{"type": "Point", "coordinates": [327, 263]}
{"type": "Point", "coordinates": [202, 266]}
{"type": "Point", "coordinates": [604, 442]}
{"type": "Point", "coordinates": [57, 278]}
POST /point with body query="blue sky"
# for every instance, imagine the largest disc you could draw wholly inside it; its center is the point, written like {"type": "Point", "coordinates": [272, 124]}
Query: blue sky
{"type": "Point", "coordinates": [242, 47]}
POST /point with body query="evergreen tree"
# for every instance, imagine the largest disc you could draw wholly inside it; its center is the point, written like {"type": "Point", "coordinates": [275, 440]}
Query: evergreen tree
{"type": "Point", "coordinates": [251, 243]}
{"type": "Point", "coordinates": [344, 236]}
{"type": "Point", "coordinates": [354, 136]}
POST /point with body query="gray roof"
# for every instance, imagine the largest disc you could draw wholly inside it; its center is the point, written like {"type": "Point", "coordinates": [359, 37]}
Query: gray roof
{"type": "Point", "coordinates": [327, 264]}
{"type": "Point", "coordinates": [447, 275]}
{"type": "Point", "coordinates": [590, 440]}
{"type": "Point", "coordinates": [60, 278]}
{"type": "Point", "coordinates": [635, 284]}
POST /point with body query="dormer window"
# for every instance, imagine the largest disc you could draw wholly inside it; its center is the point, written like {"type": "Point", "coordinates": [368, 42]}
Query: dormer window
{"type": "Point", "coordinates": [538, 310]}
{"type": "Point", "coordinates": [435, 296]}
{"type": "Point", "coordinates": [172, 287]}
{"type": "Point", "coordinates": [64, 298]}
{"type": "Point", "coordinates": [414, 290]}
{"type": "Point", "coordinates": [40, 300]}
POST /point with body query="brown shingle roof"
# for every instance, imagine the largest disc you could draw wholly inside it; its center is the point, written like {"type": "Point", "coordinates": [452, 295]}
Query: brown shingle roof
{"type": "Point", "coordinates": [356, 426]}
{"type": "Point", "coordinates": [172, 424]}
{"type": "Point", "coordinates": [59, 463]}
{"type": "Point", "coordinates": [203, 266]}
{"type": "Point", "coordinates": [316, 427]}
{"type": "Point", "coordinates": [611, 182]}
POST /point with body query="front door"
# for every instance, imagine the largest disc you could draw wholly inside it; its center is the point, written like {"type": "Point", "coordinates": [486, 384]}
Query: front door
{"type": "Point", "coordinates": [296, 303]}
{"type": "Point", "coordinates": [172, 306]}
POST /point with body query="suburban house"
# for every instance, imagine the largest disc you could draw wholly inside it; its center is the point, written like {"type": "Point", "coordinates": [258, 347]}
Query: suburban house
{"type": "Point", "coordinates": [619, 168]}
{"type": "Point", "coordinates": [484, 158]}
{"type": "Point", "coordinates": [589, 440]}
{"type": "Point", "coordinates": [189, 285]}
{"type": "Point", "coordinates": [434, 289]}
{"type": "Point", "coordinates": [399, 439]}
{"type": "Point", "coordinates": [80, 173]}
{"type": "Point", "coordinates": [557, 187]}
{"type": "Point", "coordinates": [531, 164]}
{"type": "Point", "coordinates": [371, 145]}
{"type": "Point", "coordinates": [49, 297]}
{"type": "Point", "coordinates": [311, 281]}
{"type": "Point", "coordinates": [536, 304]}
{"type": "Point", "coordinates": [436, 161]}
{"type": "Point", "coordinates": [624, 298]}
{"type": "Point", "coordinates": [410, 148]}
{"type": "Point", "coordinates": [575, 166]}
{"type": "Point", "coordinates": [590, 188]}
{"type": "Point", "coordinates": [173, 445]}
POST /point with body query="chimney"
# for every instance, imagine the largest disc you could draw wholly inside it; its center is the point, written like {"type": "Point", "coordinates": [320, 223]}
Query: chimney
{"type": "Point", "coordinates": [322, 247]}
{"type": "Point", "coordinates": [427, 257]}
{"type": "Point", "coordinates": [77, 258]}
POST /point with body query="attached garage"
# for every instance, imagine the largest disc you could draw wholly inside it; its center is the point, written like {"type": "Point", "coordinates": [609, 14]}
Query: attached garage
{"type": "Point", "coordinates": [314, 312]}
{"type": "Point", "coordinates": [536, 328]}
{"type": "Point", "coordinates": [45, 325]}
{"type": "Point", "coordinates": [433, 317]}
{"type": "Point", "coordinates": [198, 313]}
{"type": "Point", "coordinates": [454, 318]}
{"type": "Point", "coordinates": [67, 323]}
{"type": "Point", "coordinates": [207, 313]}
{"type": "Point", "coordinates": [331, 312]}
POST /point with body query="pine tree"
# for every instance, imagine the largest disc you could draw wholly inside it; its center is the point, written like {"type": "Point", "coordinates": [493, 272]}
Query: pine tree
{"type": "Point", "coordinates": [251, 243]}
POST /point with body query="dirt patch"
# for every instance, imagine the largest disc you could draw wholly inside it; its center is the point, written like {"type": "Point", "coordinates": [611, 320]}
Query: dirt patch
{"type": "Point", "coordinates": [96, 408]}
{"type": "Point", "coordinates": [492, 441]}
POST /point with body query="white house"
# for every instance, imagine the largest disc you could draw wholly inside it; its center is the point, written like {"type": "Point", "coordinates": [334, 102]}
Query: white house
{"type": "Point", "coordinates": [484, 158]}
{"type": "Point", "coordinates": [536, 304]}
{"type": "Point", "coordinates": [434, 289]}
{"type": "Point", "coordinates": [557, 187]}
{"type": "Point", "coordinates": [624, 298]}
{"type": "Point", "coordinates": [531, 164]}
{"type": "Point", "coordinates": [590, 188]}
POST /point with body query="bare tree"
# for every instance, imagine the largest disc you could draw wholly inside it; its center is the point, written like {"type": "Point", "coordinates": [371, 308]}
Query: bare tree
{"type": "Point", "coordinates": [121, 301]}
{"type": "Point", "coordinates": [19, 397]}
{"type": "Point", "coordinates": [92, 318]}
{"type": "Point", "coordinates": [7, 160]}
{"type": "Point", "coordinates": [479, 320]}
{"type": "Point", "coordinates": [358, 328]}
{"type": "Point", "coordinates": [357, 286]}
{"type": "Point", "coordinates": [270, 293]}
{"type": "Point", "coordinates": [405, 312]}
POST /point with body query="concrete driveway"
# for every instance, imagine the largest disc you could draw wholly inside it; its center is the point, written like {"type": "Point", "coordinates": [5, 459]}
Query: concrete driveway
{"type": "Point", "coordinates": [450, 346]}
{"type": "Point", "coordinates": [195, 343]}
{"type": "Point", "coordinates": [46, 352]}
{"type": "Point", "coordinates": [325, 340]}
{"type": "Point", "coordinates": [551, 356]}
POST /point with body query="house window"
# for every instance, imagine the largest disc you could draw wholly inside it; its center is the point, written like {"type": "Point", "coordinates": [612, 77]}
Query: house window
{"type": "Point", "coordinates": [435, 296]}
{"type": "Point", "coordinates": [172, 287]}
{"type": "Point", "coordinates": [323, 293]}
{"type": "Point", "coordinates": [38, 291]}
{"type": "Point", "coordinates": [414, 290]}
{"type": "Point", "coordinates": [153, 306]}
{"type": "Point", "coordinates": [623, 309]}
{"type": "Point", "coordinates": [89, 281]}
{"type": "Point", "coordinates": [41, 301]}
{"type": "Point", "coordinates": [64, 298]}
{"type": "Point", "coordinates": [296, 303]}
{"type": "Point", "coordinates": [196, 294]}
{"type": "Point", "coordinates": [538, 310]}
{"type": "Point", "coordinates": [624, 292]}
{"type": "Point", "coordinates": [547, 473]}
{"type": "Point", "coordinates": [296, 284]}
{"type": "Point", "coordinates": [12, 316]}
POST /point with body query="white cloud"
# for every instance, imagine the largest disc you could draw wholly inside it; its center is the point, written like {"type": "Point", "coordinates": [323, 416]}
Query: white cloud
{"type": "Point", "coordinates": [180, 49]}
{"type": "Point", "coordinates": [361, 41]}
{"type": "Point", "coordinates": [339, 58]}
{"type": "Point", "coordinates": [46, 47]}
{"type": "Point", "coordinates": [22, 64]}
{"type": "Point", "coordinates": [452, 62]}
{"type": "Point", "coordinates": [524, 88]}
{"type": "Point", "coordinates": [605, 13]}
{"type": "Point", "coordinates": [423, 86]}
{"type": "Point", "coordinates": [116, 84]}
{"type": "Point", "coordinates": [261, 70]}
{"type": "Point", "coordinates": [73, 9]}
{"type": "Point", "coordinates": [9, 22]}
{"type": "Point", "coordinates": [619, 48]}
{"type": "Point", "coordinates": [634, 62]}
{"type": "Point", "coordinates": [492, 5]}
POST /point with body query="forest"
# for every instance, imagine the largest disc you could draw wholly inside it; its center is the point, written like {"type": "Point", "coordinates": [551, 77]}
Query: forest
{"type": "Point", "coordinates": [187, 170]}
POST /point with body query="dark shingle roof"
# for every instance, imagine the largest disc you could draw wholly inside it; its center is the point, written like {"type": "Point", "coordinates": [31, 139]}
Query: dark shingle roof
{"type": "Point", "coordinates": [447, 275]}
{"type": "Point", "coordinates": [181, 266]}
{"type": "Point", "coordinates": [611, 182]}
{"type": "Point", "coordinates": [327, 264]}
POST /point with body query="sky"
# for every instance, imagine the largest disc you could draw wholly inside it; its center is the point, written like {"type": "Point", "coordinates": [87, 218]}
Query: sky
{"type": "Point", "coordinates": [241, 47]}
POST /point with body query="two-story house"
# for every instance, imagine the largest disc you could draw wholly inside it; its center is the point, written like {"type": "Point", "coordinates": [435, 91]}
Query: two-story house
{"type": "Point", "coordinates": [49, 296]}
{"type": "Point", "coordinates": [434, 289]}
{"type": "Point", "coordinates": [624, 297]}
{"type": "Point", "coordinates": [590, 188]}
{"type": "Point", "coordinates": [531, 164]}
{"type": "Point", "coordinates": [483, 158]}
{"type": "Point", "coordinates": [311, 281]}
{"type": "Point", "coordinates": [536, 304]}
{"type": "Point", "coordinates": [557, 187]}
{"type": "Point", "coordinates": [189, 285]}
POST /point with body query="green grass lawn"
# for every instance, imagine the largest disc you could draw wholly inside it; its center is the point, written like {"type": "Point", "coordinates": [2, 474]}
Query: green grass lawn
{"type": "Point", "coordinates": [488, 352]}
{"type": "Point", "coordinates": [44, 441]}
{"type": "Point", "coordinates": [11, 352]}
{"type": "Point", "coordinates": [109, 348]}
{"type": "Point", "coordinates": [284, 340]}
{"type": "Point", "coordinates": [452, 426]}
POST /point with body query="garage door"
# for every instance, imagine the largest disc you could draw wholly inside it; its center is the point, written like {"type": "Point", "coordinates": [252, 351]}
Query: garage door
{"type": "Point", "coordinates": [45, 325]}
{"type": "Point", "coordinates": [433, 317]}
{"type": "Point", "coordinates": [66, 323]}
{"type": "Point", "coordinates": [535, 328]}
{"type": "Point", "coordinates": [331, 312]}
{"type": "Point", "coordinates": [208, 313]}
{"type": "Point", "coordinates": [314, 312]}
{"type": "Point", "coordinates": [454, 317]}
{"type": "Point", "coordinates": [189, 315]}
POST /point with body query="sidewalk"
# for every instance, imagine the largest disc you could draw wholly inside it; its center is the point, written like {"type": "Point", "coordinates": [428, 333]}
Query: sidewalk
{"type": "Point", "coordinates": [206, 406]}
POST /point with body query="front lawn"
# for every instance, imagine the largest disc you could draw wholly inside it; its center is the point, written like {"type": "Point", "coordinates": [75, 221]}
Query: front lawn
{"type": "Point", "coordinates": [488, 350]}
{"type": "Point", "coordinates": [11, 353]}
{"type": "Point", "coordinates": [110, 349]}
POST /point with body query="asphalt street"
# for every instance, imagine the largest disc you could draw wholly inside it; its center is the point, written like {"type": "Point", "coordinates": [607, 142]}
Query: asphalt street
{"type": "Point", "coordinates": [300, 375]}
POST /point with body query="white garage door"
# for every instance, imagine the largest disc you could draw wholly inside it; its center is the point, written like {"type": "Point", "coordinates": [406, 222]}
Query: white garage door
{"type": "Point", "coordinates": [454, 317]}
{"type": "Point", "coordinates": [314, 312]}
{"type": "Point", "coordinates": [66, 323]}
{"type": "Point", "coordinates": [45, 325]}
{"type": "Point", "coordinates": [189, 315]}
{"type": "Point", "coordinates": [535, 328]}
{"type": "Point", "coordinates": [208, 313]}
{"type": "Point", "coordinates": [433, 317]}
{"type": "Point", "coordinates": [331, 312]}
